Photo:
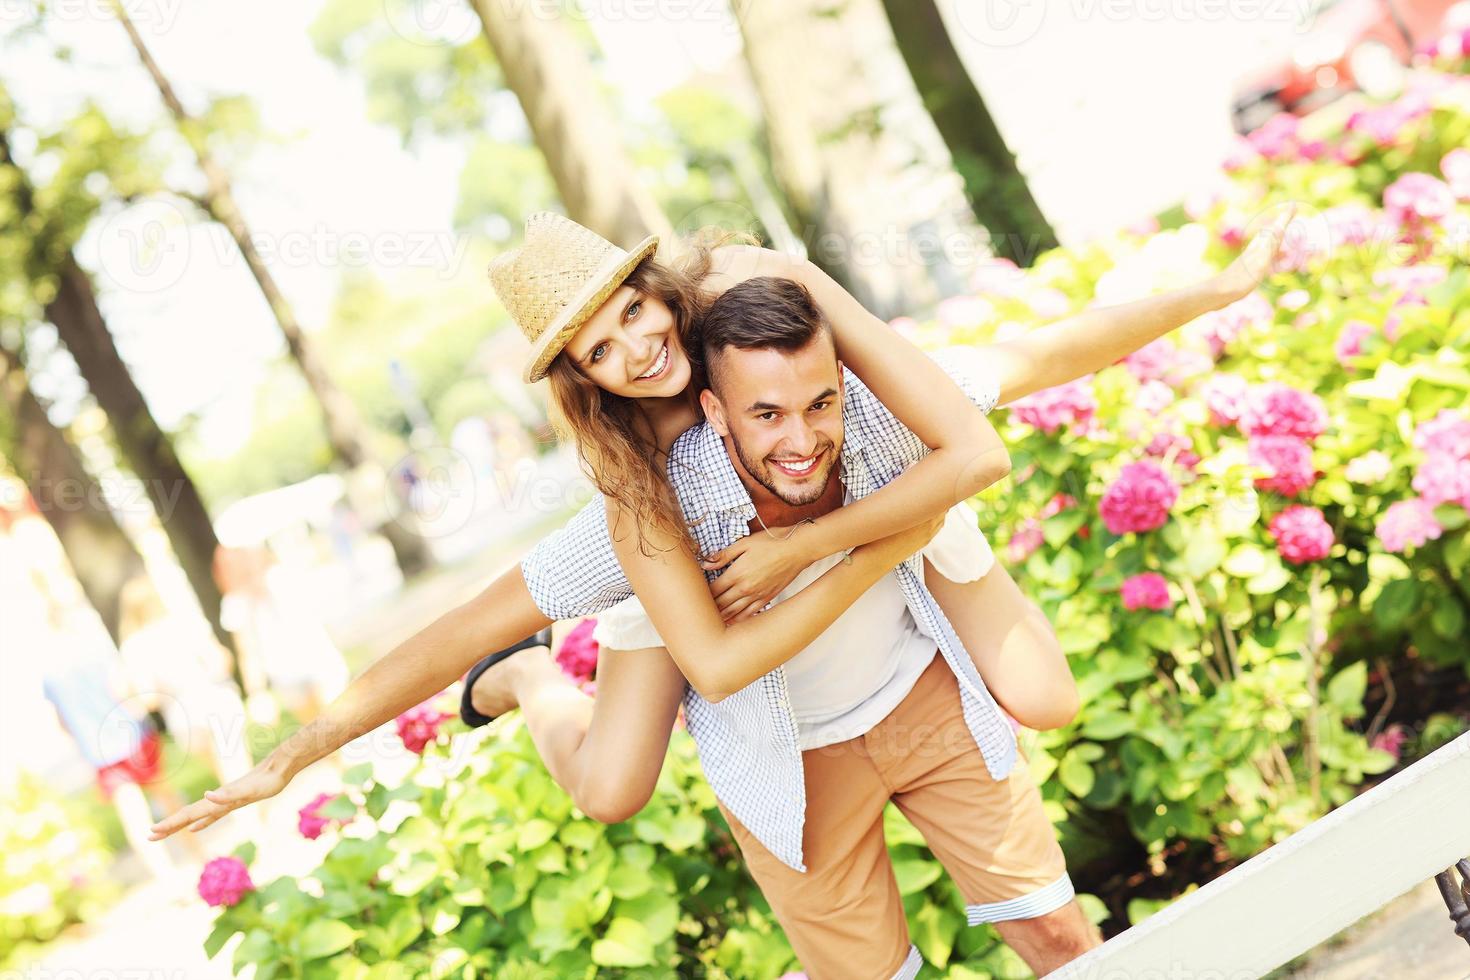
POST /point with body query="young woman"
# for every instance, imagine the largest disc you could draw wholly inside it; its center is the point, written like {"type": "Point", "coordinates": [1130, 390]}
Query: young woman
{"type": "Point", "coordinates": [615, 344]}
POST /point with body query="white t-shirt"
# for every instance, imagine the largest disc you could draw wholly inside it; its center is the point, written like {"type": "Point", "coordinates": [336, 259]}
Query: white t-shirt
{"type": "Point", "coordinates": [860, 667]}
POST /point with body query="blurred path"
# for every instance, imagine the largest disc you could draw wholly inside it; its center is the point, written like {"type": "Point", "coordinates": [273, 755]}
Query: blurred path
{"type": "Point", "coordinates": [1409, 937]}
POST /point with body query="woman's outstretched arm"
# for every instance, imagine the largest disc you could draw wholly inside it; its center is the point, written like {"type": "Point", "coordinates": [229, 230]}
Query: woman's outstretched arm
{"type": "Point", "coordinates": [418, 668]}
{"type": "Point", "coordinates": [1093, 339]}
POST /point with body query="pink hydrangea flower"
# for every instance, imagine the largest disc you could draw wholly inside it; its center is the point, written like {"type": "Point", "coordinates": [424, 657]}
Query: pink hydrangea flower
{"type": "Point", "coordinates": [1225, 395]}
{"type": "Point", "coordinates": [1280, 410]}
{"type": "Point", "coordinates": [1286, 460]}
{"type": "Point", "coordinates": [1391, 740]}
{"type": "Point", "coordinates": [1152, 360]}
{"type": "Point", "coordinates": [1407, 523]}
{"type": "Point", "coordinates": [1416, 198]}
{"type": "Point", "coordinates": [1051, 408]}
{"type": "Point", "coordinates": [1219, 328]}
{"type": "Point", "coordinates": [1369, 468]}
{"type": "Point", "coordinates": [1276, 137]}
{"type": "Point", "coordinates": [1349, 343]}
{"type": "Point", "coordinates": [310, 822]}
{"type": "Point", "coordinates": [224, 881]}
{"type": "Point", "coordinates": [964, 311]}
{"type": "Point", "coordinates": [1139, 499]}
{"type": "Point", "coordinates": [1353, 224]}
{"type": "Point", "coordinates": [1148, 590]}
{"type": "Point", "coordinates": [1143, 227]}
{"type": "Point", "coordinates": [1443, 479]}
{"type": "Point", "coordinates": [1154, 396]}
{"type": "Point", "coordinates": [1302, 534]}
{"type": "Point", "coordinates": [1456, 169]}
{"type": "Point", "coordinates": [1024, 541]}
{"type": "Point", "coordinates": [1170, 438]}
{"type": "Point", "coordinates": [419, 725]}
{"type": "Point", "coordinates": [578, 653]}
{"type": "Point", "coordinates": [1048, 302]}
{"type": "Point", "coordinates": [1448, 433]}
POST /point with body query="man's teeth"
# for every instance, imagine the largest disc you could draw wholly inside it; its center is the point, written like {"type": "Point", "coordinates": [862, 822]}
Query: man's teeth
{"type": "Point", "coordinates": [658, 365]}
{"type": "Point", "coordinates": [796, 467]}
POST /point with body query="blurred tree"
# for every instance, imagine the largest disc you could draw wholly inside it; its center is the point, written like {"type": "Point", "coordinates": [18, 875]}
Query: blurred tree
{"type": "Point", "coordinates": [838, 172]}
{"type": "Point", "coordinates": [448, 79]}
{"type": "Point", "coordinates": [40, 279]}
{"type": "Point", "coordinates": [344, 427]}
{"type": "Point", "coordinates": [102, 556]}
{"type": "Point", "coordinates": [996, 188]}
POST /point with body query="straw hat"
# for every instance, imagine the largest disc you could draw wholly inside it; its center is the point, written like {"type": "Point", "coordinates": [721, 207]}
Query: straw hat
{"type": "Point", "coordinates": [557, 279]}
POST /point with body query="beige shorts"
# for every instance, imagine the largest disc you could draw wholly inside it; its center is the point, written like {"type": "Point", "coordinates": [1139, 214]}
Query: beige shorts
{"type": "Point", "coordinates": [844, 916]}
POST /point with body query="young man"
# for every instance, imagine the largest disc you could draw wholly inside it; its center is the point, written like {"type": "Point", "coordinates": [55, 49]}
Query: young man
{"type": "Point", "coordinates": [804, 759]}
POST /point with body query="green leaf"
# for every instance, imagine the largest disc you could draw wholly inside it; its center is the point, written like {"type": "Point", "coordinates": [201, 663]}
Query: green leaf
{"type": "Point", "coordinates": [915, 874]}
{"type": "Point", "coordinates": [359, 774]}
{"type": "Point", "coordinates": [629, 881]}
{"type": "Point", "coordinates": [534, 833]}
{"type": "Point", "coordinates": [1346, 689]}
{"type": "Point", "coordinates": [1204, 554]}
{"type": "Point", "coordinates": [218, 937]}
{"type": "Point", "coordinates": [1058, 529]}
{"type": "Point", "coordinates": [1448, 618]}
{"type": "Point", "coordinates": [323, 937]}
{"type": "Point", "coordinates": [1106, 724]}
{"type": "Point", "coordinates": [245, 852]}
{"type": "Point", "coordinates": [1245, 561]}
{"type": "Point", "coordinates": [1273, 579]}
{"type": "Point", "coordinates": [935, 929]}
{"type": "Point", "coordinates": [1396, 603]}
{"type": "Point", "coordinates": [1076, 775]}
{"type": "Point", "coordinates": [626, 943]}
{"type": "Point", "coordinates": [339, 807]}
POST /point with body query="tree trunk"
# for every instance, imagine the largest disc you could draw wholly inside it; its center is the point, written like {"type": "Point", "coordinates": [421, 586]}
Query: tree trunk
{"type": "Point", "coordinates": [818, 74]}
{"type": "Point", "coordinates": [102, 556]}
{"type": "Point", "coordinates": [996, 188]}
{"type": "Point", "coordinates": [145, 446]}
{"type": "Point", "coordinates": [570, 122]}
{"type": "Point", "coordinates": [345, 430]}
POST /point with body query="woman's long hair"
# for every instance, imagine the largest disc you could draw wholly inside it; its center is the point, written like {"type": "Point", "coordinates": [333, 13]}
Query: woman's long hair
{"type": "Point", "coordinates": [616, 452]}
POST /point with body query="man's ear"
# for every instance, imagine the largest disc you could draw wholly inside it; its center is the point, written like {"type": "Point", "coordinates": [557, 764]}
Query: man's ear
{"type": "Point", "coordinates": [714, 412]}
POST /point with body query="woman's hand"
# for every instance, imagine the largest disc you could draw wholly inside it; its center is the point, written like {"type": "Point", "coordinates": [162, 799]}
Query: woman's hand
{"type": "Point", "coordinates": [260, 783]}
{"type": "Point", "coordinates": [761, 565]}
{"type": "Point", "coordinates": [1260, 257]}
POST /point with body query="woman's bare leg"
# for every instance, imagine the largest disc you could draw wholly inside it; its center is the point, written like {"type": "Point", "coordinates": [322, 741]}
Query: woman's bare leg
{"type": "Point", "coordinates": [605, 751]}
{"type": "Point", "coordinates": [1012, 644]}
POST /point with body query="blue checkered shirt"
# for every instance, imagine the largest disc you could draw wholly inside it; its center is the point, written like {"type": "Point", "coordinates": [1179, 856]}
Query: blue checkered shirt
{"type": "Point", "coordinates": [748, 741]}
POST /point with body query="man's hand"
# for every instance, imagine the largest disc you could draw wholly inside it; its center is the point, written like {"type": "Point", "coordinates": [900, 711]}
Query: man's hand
{"type": "Point", "coordinates": [761, 565]}
{"type": "Point", "coordinates": [1261, 255]}
{"type": "Point", "coordinates": [260, 783]}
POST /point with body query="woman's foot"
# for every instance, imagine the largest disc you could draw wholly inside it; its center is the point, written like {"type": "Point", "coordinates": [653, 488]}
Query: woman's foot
{"type": "Point", "coordinates": [492, 691]}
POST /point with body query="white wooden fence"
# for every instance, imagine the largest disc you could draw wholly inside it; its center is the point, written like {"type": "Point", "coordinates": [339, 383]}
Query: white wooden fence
{"type": "Point", "coordinates": [1322, 879]}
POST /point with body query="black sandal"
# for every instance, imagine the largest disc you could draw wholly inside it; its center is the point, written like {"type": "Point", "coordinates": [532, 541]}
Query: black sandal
{"type": "Point", "coordinates": [467, 712]}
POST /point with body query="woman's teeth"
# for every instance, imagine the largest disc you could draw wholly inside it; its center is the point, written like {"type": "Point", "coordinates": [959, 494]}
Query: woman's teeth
{"type": "Point", "coordinates": [658, 364]}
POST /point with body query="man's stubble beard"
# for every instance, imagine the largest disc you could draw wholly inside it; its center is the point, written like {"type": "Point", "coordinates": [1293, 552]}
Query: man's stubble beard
{"type": "Point", "coordinates": [758, 473]}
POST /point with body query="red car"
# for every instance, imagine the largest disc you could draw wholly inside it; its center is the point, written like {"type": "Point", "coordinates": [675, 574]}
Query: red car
{"type": "Point", "coordinates": [1350, 45]}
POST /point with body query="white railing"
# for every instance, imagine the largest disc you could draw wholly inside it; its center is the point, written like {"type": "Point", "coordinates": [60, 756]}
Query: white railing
{"type": "Point", "coordinates": [1320, 880]}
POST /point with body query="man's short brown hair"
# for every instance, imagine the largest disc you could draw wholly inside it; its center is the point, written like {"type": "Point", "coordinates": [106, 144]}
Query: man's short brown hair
{"type": "Point", "coordinates": [762, 313]}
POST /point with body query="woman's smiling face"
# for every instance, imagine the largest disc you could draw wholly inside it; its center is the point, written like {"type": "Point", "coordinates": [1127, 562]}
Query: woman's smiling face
{"type": "Point", "coordinates": [630, 347]}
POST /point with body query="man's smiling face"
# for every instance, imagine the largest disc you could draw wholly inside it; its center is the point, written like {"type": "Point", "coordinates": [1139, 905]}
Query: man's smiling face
{"type": "Point", "coordinates": [781, 413]}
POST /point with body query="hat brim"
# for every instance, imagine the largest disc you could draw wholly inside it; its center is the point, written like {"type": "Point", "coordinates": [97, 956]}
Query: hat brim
{"type": "Point", "coordinates": [599, 287]}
